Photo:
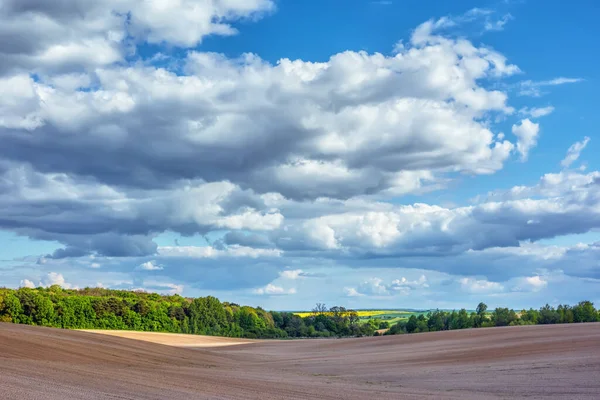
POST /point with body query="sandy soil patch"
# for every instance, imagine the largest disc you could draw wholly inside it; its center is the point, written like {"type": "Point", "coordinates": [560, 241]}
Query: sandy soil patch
{"type": "Point", "coordinates": [175, 339]}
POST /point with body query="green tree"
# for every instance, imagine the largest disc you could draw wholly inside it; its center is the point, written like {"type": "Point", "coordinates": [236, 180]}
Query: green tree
{"type": "Point", "coordinates": [480, 315]}
{"type": "Point", "coordinates": [207, 316]}
{"type": "Point", "coordinates": [435, 321]}
{"type": "Point", "coordinates": [10, 309]}
{"type": "Point", "coordinates": [530, 316]}
{"type": "Point", "coordinates": [584, 311]}
{"type": "Point", "coordinates": [503, 316]}
{"type": "Point", "coordinates": [548, 315]}
{"type": "Point", "coordinates": [463, 320]}
{"type": "Point", "coordinates": [411, 325]}
{"type": "Point", "coordinates": [37, 309]}
{"type": "Point", "coordinates": [383, 325]}
{"type": "Point", "coordinates": [565, 313]}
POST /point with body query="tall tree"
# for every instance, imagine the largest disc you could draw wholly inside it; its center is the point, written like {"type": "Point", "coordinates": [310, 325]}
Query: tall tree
{"type": "Point", "coordinates": [481, 316]}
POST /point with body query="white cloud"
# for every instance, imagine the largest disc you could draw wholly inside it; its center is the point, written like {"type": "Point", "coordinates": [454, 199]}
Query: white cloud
{"type": "Point", "coordinates": [174, 289]}
{"type": "Point", "coordinates": [291, 274]}
{"type": "Point", "coordinates": [537, 112]}
{"type": "Point", "coordinates": [392, 134]}
{"type": "Point", "coordinates": [102, 209]}
{"type": "Point", "coordinates": [572, 186]}
{"type": "Point", "coordinates": [480, 286]}
{"type": "Point", "coordinates": [569, 203]}
{"type": "Point", "coordinates": [51, 278]}
{"type": "Point", "coordinates": [273, 290]}
{"type": "Point", "coordinates": [530, 284]}
{"type": "Point", "coordinates": [404, 286]}
{"type": "Point", "coordinates": [54, 278]}
{"type": "Point", "coordinates": [574, 152]}
{"type": "Point", "coordinates": [361, 120]}
{"type": "Point", "coordinates": [497, 25]}
{"type": "Point", "coordinates": [160, 287]}
{"type": "Point", "coordinates": [57, 36]}
{"type": "Point", "coordinates": [352, 292]}
{"type": "Point", "coordinates": [376, 287]}
{"type": "Point", "coordinates": [479, 16]}
{"type": "Point", "coordinates": [211, 252]}
{"type": "Point", "coordinates": [530, 250]}
{"type": "Point", "coordinates": [149, 266]}
{"type": "Point", "coordinates": [560, 81]}
{"type": "Point", "coordinates": [534, 89]}
{"type": "Point", "coordinates": [187, 23]}
{"type": "Point", "coordinates": [527, 135]}
{"type": "Point", "coordinates": [27, 284]}
{"type": "Point", "coordinates": [373, 287]}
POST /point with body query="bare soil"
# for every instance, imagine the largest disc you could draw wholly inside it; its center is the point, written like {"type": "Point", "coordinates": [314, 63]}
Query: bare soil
{"type": "Point", "coordinates": [537, 362]}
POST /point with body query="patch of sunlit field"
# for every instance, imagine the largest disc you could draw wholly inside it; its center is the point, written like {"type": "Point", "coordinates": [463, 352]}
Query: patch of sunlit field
{"type": "Point", "coordinates": [365, 313]}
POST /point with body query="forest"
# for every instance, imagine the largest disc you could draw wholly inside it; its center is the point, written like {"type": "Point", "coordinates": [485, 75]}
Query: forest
{"type": "Point", "coordinates": [99, 308]}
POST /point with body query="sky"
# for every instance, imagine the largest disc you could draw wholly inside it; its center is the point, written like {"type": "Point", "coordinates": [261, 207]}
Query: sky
{"type": "Point", "coordinates": [280, 153]}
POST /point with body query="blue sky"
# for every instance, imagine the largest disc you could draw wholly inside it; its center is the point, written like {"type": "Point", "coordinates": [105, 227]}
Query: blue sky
{"type": "Point", "coordinates": [283, 153]}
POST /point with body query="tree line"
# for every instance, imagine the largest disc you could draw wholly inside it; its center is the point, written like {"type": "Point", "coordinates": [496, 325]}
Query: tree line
{"type": "Point", "coordinates": [438, 320]}
{"type": "Point", "coordinates": [99, 308]}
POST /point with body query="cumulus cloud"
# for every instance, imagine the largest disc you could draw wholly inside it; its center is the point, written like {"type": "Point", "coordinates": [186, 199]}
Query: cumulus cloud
{"type": "Point", "coordinates": [149, 266]}
{"type": "Point", "coordinates": [196, 151]}
{"type": "Point", "coordinates": [54, 278]}
{"type": "Point", "coordinates": [27, 284]}
{"type": "Point", "coordinates": [480, 286]}
{"type": "Point", "coordinates": [561, 204]}
{"type": "Point", "coordinates": [352, 292]}
{"type": "Point", "coordinates": [292, 274]}
{"type": "Point", "coordinates": [527, 135]}
{"type": "Point", "coordinates": [358, 133]}
{"type": "Point", "coordinates": [572, 186]}
{"type": "Point", "coordinates": [404, 286]}
{"type": "Point", "coordinates": [373, 287]}
{"type": "Point", "coordinates": [120, 222]}
{"type": "Point", "coordinates": [530, 283]}
{"type": "Point", "coordinates": [67, 36]}
{"type": "Point", "coordinates": [377, 287]}
{"type": "Point", "coordinates": [574, 152]}
{"type": "Point", "coordinates": [273, 290]}
{"type": "Point", "coordinates": [51, 278]}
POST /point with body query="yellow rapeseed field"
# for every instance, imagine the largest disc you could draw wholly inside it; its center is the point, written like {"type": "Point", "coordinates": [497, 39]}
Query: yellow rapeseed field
{"type": "Point", "coordinates": [367, 313]}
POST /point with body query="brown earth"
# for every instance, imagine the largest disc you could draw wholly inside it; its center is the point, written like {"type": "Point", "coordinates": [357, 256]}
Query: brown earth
{"type": "Point", "coordinates": [558, 361]}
